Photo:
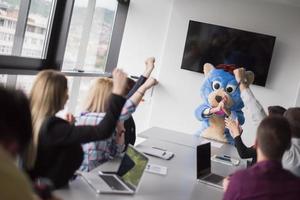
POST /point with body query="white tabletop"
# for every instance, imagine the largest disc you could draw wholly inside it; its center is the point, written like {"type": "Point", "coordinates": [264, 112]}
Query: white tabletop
{"type": "Point", "coordinates": [179, 183]}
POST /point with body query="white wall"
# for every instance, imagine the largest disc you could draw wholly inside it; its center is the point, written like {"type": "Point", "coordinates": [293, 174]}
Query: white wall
{"type": "Point", "coordinates": [174, 101]}
{"type": "Point", "coordinates": [144, 36]}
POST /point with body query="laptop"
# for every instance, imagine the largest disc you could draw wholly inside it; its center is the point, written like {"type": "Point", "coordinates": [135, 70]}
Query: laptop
{"type": "Point", "coordinates": [204, 173]}
{"type": "Point", "coordinates": [126, 180]}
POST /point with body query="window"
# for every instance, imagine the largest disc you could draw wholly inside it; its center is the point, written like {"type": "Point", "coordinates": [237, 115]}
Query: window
{"type": "Point", "coordinates": [40, 36]}
{"type": "Point", "coordinates": [83, 34]}
{"type": "Point", "coordinates": [39, 18]}
{"type": "Point", "coordinates": [90, 34]}
{"type": "Point", "coordinates": [85, 84]}
{"type": "Point", "coordinates": [32, 21]}
{"type": "Point", "coordinates": [24, 83]}
{"type": "Point", "coordinates": [38, 25]}
{"type": "Point", "coordinates": [9, 11]}
{"type": "Point", "coordinates": [3, 79]}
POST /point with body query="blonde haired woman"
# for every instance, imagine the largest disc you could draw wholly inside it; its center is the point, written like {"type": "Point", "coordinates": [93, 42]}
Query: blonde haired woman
{"type": "Point", "coordinates": [56, 151]}
{"type": "Point", "coordinates": [96, 153]}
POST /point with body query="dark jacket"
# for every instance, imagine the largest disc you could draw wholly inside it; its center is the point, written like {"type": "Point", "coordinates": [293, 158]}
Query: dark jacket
{"type": "Point", "coordinates": [245, 152]}
{"type": "Point", "coordinates": [59, 150]}
{"type": "Point", "coordinates": [129, 125]}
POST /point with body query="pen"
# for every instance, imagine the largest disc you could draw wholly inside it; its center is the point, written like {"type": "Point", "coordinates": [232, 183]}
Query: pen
{"type": "Point", "coordinates": [159, 148]}
{"type": "Point", "coordinates": [226, 156]}
{"type": "Point", "coordinates": [223, 158]}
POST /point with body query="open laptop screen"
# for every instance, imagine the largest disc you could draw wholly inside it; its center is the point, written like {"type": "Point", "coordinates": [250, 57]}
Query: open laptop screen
{"type": "Point", "coordinates": [132, 167]}
{"type": "Point", "coordinates": [203, 159]}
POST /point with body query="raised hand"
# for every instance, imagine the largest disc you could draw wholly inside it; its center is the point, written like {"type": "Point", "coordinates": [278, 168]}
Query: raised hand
{"type": "Point", "coordinates": [240, 77]}
{"type": "Point", "coordinates": [149, 66]}
{"type": "Point", "coordinates": [70, 118]}
{"type": "Point", "coordinates": [239, 74]}
{"type": "Point", "coordinates": [119, 82]}
{"type": "Point", "coordinates": [233, 127]}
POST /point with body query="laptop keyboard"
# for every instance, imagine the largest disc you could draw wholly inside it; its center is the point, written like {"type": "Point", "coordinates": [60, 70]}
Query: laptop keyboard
{"type": "Point", "coordinates": [113, 183]}
{"type": "Point", "coordinates": [213, 178]}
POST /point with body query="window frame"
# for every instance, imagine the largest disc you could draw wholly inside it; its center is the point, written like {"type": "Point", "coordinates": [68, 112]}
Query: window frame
{"type": "Point", "coordinates": [55, 50]}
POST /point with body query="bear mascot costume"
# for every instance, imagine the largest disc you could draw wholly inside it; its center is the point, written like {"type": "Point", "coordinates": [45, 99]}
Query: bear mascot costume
{"type": "Point", "coordinates": [221, 95]}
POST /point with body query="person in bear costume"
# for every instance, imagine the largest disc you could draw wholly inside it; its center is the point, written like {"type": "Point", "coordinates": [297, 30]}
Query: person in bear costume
{"type": "Point", "coordinates": [221, 95]}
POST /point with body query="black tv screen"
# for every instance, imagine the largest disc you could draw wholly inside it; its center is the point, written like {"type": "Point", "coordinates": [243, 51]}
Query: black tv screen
{"type": "Point", "coordinates": [208, 43]}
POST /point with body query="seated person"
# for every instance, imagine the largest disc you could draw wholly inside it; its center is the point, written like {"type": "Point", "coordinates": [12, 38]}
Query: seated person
{"type": "Point", "coordinates": [236, 132]}
{"type": "Point", "coordinates": [55, 152]}
{"type": "Point", "coordinates": [15, 134]}
{"type": "Point", "coordinates": [266, 178]}
{"type": "Point", "coordinates": [98, 152]}
{"type": "Point", "coordinates": [291, 158]}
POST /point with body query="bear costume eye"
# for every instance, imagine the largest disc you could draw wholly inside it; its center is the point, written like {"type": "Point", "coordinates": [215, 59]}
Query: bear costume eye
{"type": "Point", "coordinates": [216, 85]}
{"type": "Point", "coordinates": [230, 89]}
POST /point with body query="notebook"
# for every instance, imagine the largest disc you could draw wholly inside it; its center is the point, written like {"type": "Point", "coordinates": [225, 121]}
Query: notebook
{"type": "Point", "coordinates": [126, 180]}
{"type": "Point", "coordinates": [204, 173]}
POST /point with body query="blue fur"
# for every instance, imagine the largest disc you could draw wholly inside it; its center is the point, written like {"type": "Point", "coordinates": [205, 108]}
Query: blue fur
{"type": "Point", "coordinates": [224, 78]}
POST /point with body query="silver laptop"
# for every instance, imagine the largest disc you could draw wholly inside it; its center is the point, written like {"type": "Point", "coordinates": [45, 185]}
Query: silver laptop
{"type": "Point", "coordinates": [204, 174]}
{"type": "Point", "coordinates": [126, 180]}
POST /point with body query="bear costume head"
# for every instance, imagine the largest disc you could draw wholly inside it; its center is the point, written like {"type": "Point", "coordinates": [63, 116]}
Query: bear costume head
{"type": "Point", "coordinates": [220, 84]}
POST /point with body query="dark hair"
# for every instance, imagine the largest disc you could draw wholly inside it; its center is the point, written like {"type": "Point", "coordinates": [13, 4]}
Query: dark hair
{"type": "Point", "coordinates": [293, 117]}
{"type": "Point", "coordinates": [276, 110]}
{"type": "Point", "coordinates": [15, 117]}
{"type": "Point", "coordinates": [274, 136]}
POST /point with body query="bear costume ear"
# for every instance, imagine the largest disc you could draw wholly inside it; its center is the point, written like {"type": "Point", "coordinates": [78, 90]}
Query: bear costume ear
{"type": "Point", "coordinates": [207, 67]}
{"type": "Point", "coordinates": [249, 77]}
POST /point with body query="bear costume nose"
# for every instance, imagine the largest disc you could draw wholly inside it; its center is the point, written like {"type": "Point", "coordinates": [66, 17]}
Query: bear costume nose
{"type": "Point", "coordinates": [218, 98]}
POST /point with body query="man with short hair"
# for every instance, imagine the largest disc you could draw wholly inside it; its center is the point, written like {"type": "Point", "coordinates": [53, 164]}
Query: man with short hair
{"type": "Point", "coordinates": [266, 178]}
{"type": "Point", "coordinates": [291, 158]}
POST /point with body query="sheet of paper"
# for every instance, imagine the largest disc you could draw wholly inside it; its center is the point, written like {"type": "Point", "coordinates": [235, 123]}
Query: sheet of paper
{"type": "Point", "coordinates": [213, 143]}
{"type": "Point", "coordinates": [156, 169]}
{"type": "Point", "coordinates": [139, 140]}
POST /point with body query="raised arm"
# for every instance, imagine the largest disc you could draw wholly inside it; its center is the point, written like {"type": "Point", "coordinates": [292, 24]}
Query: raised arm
{"type": "Point", "coordinates": [252, 106]}
{"type": "Point", "coordinates": [235, 131]}
{"type": "Point", "coordinates": [142, 79]}
{"type": "Point", "coordinates": [59, 132]}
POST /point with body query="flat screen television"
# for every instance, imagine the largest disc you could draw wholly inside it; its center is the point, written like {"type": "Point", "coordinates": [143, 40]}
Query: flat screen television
{"type": "Point", "coordinates": [208, 43]}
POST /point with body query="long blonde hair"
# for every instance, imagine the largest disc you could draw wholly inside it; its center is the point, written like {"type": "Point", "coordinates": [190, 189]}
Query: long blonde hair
{"type": "Point", "coordinates": [98, 96]}
{"type": "Point", "coordinates": [48, 96]}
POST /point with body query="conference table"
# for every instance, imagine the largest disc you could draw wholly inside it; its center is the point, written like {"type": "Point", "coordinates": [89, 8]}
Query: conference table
{"type": "Point", "coordinates": [180, 183]}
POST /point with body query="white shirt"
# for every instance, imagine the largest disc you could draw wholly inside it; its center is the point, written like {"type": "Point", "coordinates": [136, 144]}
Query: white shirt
{"type": "Point", "coordinates": [252, 106]}
{"type": "Point", "coordinates": [291, 158]}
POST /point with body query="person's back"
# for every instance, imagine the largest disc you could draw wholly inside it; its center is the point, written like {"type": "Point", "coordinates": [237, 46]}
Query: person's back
{"type": "Point", "coordinates": [267, 179]}
{"type": "Point", "coordinates": [264, 180]}
{"type": "Point", "coordinates": [13, 184]}
{"type": "Point", "coordinates": [55, 152]}
{"type": "Point", "coordinates": [97, 152]}
{"type": "Point", "coordinates": [291, 158]}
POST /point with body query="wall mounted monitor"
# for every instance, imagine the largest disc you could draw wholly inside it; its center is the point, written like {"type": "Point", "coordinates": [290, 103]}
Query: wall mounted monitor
{"type": "Point", "coordinates": [222, 45]}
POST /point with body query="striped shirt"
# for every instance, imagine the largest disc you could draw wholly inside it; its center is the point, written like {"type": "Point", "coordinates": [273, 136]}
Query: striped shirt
{"type": "Point", "coordinates": [96, 153]}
